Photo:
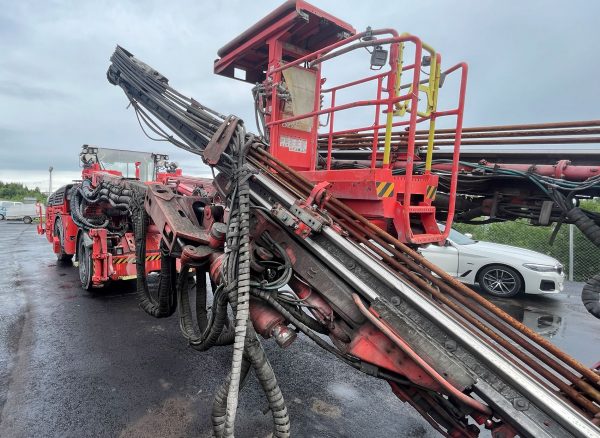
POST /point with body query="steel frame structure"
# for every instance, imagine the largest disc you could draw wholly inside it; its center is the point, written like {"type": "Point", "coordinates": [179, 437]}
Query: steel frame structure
{"type": "Point", "coordinates": [403, 203]}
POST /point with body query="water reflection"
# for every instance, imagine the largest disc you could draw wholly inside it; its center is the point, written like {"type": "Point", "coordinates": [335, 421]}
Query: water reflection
{"type": "Point", "coordinates": [538, 319]}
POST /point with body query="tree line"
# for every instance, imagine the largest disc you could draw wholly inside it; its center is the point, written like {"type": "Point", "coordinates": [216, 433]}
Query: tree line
{"type": "Point", "coordinates": [11, 191]}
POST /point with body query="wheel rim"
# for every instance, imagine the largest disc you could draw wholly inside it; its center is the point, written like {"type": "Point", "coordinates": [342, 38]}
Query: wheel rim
{"type": "Point", "coordinates": [500, 281]}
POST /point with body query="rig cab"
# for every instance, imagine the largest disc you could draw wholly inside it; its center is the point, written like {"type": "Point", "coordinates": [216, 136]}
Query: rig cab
{"type": "Point", "coordinates": [334, 122]}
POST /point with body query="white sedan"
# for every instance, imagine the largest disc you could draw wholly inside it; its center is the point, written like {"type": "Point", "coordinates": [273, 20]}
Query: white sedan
{"type": "Point", "coordinates": [500, 270]}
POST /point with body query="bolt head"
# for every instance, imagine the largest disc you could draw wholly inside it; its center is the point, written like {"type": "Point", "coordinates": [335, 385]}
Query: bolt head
{"type": "Point", "coordinates": [450, 345]}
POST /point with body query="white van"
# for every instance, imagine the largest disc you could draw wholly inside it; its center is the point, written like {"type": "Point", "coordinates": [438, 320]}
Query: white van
{"type": "Point", "coordinates": [21, 211]}
{"type": "Point", "coordinates": [3, 206]}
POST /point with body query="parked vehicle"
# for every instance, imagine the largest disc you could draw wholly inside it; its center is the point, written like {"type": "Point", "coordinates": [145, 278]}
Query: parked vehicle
{"type": "Point", "coordinates": [22, 211]}
{"type": "Point", "coordinates": [4, 206]}
{"type": "Point", "coordinates": [500, 270]}
{"type": "Point", "coordinates": [73, 219]}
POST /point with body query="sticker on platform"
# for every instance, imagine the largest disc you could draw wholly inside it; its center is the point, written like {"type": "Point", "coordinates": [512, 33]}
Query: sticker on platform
{"type": "Point", "coordinates": [430, 193]}
{"type": "Point", "coordinates": [385, 189]}
{"type": "Point", "coordinates": [294, 144]}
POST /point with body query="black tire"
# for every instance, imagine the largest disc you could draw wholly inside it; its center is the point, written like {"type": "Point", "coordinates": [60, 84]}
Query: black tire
{"type": "Point", "coordinates": [61, 256]}
{"type": "Point", "coordinates": [86, 265]}
{"type": "Point", "coordinates": [27, 219]}
{"type": "Point", "coordinates": [2, 217]}
{"type": "Point", "coordinates": [500, 281]}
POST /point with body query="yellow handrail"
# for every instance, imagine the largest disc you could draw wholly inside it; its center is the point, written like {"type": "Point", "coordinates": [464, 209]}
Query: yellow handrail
{"type": "Point", "coordinates": [431, 136]}
{"type": "Point", "coordinates": [401, 108]}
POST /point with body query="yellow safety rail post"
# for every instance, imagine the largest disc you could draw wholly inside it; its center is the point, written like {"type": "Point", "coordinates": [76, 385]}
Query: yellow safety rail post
{"type": "Point", "coordinates": [430, 90]}
{"type": "Point", "coordinates": [431, 136]}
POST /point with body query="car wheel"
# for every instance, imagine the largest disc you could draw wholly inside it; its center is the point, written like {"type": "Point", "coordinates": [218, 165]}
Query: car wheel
{"type": "Point", "coordinates": [500, 281]}
{"type": "Point", "coordinates": [86, 265]}
{"type": "Point", "coordinates": [62, 256]}
{"type": "Point", "coordinates": [2, 217]}
{"type": "Point", "coordinates": [27, 219]}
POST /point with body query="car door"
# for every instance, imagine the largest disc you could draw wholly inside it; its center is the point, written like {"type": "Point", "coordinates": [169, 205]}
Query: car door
{"type": "Point", "coordinates": [446, 257]}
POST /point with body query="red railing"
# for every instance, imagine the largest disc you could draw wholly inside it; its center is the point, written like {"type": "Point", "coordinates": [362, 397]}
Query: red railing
{"type": "Point", "coordinates": [386, 83]}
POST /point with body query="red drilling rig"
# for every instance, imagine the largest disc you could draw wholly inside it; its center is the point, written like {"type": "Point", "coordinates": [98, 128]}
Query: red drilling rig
{"type": "Point", "coordinates": [312, 226]}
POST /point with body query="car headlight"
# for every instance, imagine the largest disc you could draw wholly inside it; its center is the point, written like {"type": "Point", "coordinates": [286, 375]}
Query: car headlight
{"type": "Point", "coordinates": [544, 268]}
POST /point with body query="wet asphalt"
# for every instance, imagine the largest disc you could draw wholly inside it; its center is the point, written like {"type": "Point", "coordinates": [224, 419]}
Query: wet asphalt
{"type": "Point", "coordinates": [80, 364]}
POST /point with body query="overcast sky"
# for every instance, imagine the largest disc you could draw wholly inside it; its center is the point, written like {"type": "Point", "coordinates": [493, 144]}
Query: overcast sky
{"type": "Point", "coordinates": [530, 61]}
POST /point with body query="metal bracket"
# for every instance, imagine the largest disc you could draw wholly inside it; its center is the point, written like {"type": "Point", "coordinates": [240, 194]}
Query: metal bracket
{"type": "Point", "coordinates": [300, 218]}
{"type": "Point", "coordinates": [174, 216]}
{"type": "Point", "coordinates": [219, 142]}
{"type": "Point", "coordinates": [319, 195]}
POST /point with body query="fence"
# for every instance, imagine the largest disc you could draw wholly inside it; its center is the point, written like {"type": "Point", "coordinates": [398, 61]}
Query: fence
{"type": "Point", "coordinates": [580, 257]}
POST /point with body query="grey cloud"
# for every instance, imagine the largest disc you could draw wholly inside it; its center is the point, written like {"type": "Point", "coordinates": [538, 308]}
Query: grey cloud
{"type": "Point", "coordinates": [23, 91]}
{"type": "Point", "coordinates": [529, 61]}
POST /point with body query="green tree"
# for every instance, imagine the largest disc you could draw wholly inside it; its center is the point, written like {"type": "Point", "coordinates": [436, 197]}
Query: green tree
{"type": "Point", "coordinates": [18, 191]}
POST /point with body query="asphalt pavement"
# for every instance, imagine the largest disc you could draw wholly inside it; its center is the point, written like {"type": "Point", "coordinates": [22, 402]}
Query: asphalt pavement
{"type": "Point", "coordinates": [80, 364]}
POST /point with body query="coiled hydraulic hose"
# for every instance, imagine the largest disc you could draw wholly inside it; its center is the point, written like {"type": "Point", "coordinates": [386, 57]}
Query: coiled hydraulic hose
{"type": "Point", "coordinates": [211, 331]}
{"type": "Point", "coordinates": [590, 295]}
{"type": "Point", "coordinates": [166, 303]}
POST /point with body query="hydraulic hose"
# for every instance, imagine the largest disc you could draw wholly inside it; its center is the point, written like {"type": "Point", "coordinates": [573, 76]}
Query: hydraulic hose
{"type": "Point", "coordinates": [590, 295]}
{"type": "Point", "coordinates": [586, 225]}
{"type": "Point", "coordinates": [254, 355]}
{"type": "Point", "coordinates": [237, 268]}
{"type": "Point", "coordinates": [219, 409]}
{"type": "Point", "coordinates": [210, 332]}
{"type": "Point", "coordinates": [166, 304]}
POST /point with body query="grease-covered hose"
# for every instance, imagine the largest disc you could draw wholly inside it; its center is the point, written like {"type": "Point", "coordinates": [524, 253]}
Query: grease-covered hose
{"type": "Point", "coordinates": [237, 262]}
{"type": "Point", "coordinates": [166, 304]}
{"type": "Point", "coordinates": [590, 295]}
{"type": "Point", "coordinates": [255, 356]}
{"type": "Point", "coordinates": [210, 332]}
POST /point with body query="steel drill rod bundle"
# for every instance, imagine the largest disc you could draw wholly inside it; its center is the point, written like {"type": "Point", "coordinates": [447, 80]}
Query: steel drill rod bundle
{"type": "Point", "coordinates": [464, 301]}
{"type": "Point", "coordinates": [584, 132]}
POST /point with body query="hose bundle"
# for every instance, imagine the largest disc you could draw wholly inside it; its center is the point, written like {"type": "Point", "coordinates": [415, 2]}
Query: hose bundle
{"type": "Point", "coordinates": [83, 195]}
{"type": "Point", "coordinates": [210, 331]}
{"type": "Point", "coordinates": [590, 295]}
{"type": "Point", "coordinates": [166, 302]}
{"type": "Point", "coordinates": [162, 109]}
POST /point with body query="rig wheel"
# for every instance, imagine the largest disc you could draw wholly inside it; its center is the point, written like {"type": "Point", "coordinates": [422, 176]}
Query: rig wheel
{"type": "Point", "coordinates": [27, 219]}
{"type": "Point", "coordinates": [61, 256]}
{"type": "Point", "coordinates": [500, 281]}
{"type": "Point", "coordinates": [86, 265]}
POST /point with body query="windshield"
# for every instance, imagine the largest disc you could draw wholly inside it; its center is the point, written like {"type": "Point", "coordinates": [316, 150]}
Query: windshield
{"type": "Point", "coordinates": [124, 162]}
{"type": "Point", "coordinates": [458, 238]}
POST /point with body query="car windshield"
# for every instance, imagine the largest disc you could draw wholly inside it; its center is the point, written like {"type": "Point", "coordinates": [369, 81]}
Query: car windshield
{"type": "Point", "coordinates": [458, 238]}
{"type": "Point", "coordinates": [124, 162]}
